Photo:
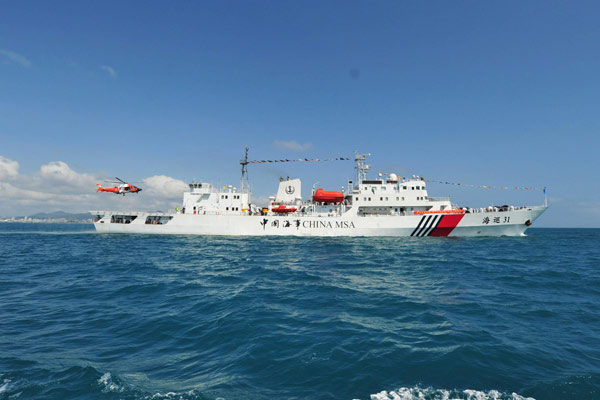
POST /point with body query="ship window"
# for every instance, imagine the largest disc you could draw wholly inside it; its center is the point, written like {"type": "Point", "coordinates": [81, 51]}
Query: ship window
{"type": "Point", "coordinates": [404, 187]}
{"type": "Point", "coordinates": [357, 199]}
{"type": "Point", "coordinates": [122, 219]}
{"type": "Point", "coordinates": [369, 199]}
{"type": "Point", "coordinates": [403, 199]}
{"type": "Point", "coordinates": [381, 199]}
{"type": "Point", "coordinates": [412, 187]}
{"type": "Point", "coordinates": [226, 208]}
{"type": "Point", "coordinates": [386, 199]}
{"type": "Point", "coordinates": [397, 198]}
{"type": "Point", "coordinates": [157, 220]}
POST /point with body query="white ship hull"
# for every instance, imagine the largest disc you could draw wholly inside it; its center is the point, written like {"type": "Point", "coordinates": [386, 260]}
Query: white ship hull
{"type": "Point", "coordinates": [492, 223]}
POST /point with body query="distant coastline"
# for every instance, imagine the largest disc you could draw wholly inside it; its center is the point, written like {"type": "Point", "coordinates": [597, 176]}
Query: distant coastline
{"type": "Point", "coordinates": [57, 217]}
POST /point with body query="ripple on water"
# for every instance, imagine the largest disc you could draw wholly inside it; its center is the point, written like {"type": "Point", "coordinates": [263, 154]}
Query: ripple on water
{"type": "Point", "coordinates": [136, 317]}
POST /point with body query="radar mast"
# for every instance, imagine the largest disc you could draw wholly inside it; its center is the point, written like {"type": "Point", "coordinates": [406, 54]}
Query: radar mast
{"type": "Point", "coordinates": [245, 185]}
{"type": "Point", "coordinates": [361, 166]}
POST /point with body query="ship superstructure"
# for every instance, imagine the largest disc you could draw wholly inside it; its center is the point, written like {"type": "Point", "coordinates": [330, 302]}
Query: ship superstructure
{"type": "Point", "coordinates": [386, 206]}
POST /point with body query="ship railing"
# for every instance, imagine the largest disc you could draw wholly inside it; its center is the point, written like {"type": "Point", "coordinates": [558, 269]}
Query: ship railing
{"type": "Point", "coordinates": [501, 209]}
{"type": "Point", "coordinates": [438, 198]}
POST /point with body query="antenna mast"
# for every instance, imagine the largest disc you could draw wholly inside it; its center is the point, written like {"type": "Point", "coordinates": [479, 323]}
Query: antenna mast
{"type": "Point", "coordinates": [245, 184]}
{"type": "Point", "coordinates": [361, 166]}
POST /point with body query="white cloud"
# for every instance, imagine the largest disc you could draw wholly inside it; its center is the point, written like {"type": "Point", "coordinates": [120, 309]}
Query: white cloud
{"type": "Point", "coordinates": [9, 169]}
{"type": "Point", "coordinates": [15, 58]}
{"type": "Point", "coordinates": [58, 172]}
{"type": "Point", "coordinates": [10, 191]}
{"type": "Point", "coordinates": [292, 145]}
{"type": "Point", "coordinates": [57, 187]}
{"type": "Point", "coordinates": [165, 186]}
{"type": "Point", "coordinates": [111, 71]}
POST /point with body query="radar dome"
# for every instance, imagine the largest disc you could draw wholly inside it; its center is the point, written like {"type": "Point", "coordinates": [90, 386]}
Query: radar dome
{"type": "Point", "coordinates": [393, 177]}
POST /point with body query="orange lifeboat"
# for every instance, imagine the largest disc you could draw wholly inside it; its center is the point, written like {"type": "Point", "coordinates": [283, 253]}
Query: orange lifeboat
{"type": "Point", "coordinates": [322, 196]}
{"type": "Point", "coordinates": [283, 209]}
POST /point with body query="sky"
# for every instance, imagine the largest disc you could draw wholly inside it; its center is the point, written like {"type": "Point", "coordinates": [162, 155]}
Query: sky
{"type": "Point", "coordinates": [484, 93]}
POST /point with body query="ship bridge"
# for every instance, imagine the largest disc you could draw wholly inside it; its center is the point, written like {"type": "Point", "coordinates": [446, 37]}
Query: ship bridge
{"type": "Point", "coordinates": [204, 198]}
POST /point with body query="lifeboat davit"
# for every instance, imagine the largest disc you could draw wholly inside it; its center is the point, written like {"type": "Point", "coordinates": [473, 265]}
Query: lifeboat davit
{"type": "Point", "coordinates": [322, 196]}
{"type": "Point", "coordinates": [283, 209]}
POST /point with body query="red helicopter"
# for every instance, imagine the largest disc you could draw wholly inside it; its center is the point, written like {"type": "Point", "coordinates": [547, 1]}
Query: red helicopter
{"type": "Point", "coordinates": [122, 188]}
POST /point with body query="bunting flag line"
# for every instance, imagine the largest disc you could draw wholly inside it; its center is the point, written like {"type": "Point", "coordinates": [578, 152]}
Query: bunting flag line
{"type": "Point", "coordinates": [489, 186]}
{"type": "Point", "coordinates": [402, 177]}
{"type": "Point", "coordinates": [300, 160]}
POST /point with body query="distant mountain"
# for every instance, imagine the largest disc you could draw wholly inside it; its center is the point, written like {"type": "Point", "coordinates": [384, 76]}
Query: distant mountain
{"type": "Point", "coordinates": [62, 214]}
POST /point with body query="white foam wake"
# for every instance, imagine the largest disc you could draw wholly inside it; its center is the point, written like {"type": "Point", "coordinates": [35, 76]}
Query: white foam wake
{"type": "Point", "coordinates": [418, 393]}
{"type": "Point", "coordinates": [108, 384]}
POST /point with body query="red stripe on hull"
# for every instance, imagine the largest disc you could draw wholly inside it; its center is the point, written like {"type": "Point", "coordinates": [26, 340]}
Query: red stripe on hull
{"type": "Point", "coordinates": [447, 225]}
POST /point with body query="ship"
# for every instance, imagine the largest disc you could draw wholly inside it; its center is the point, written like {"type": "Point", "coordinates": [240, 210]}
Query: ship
{"type": "Point", "coordinates": [389, 205]}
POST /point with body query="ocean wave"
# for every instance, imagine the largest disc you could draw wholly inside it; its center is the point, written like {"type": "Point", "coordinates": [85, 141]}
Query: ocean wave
{"type": "Point", "coordinates": [151, 317]}
{"type": "Point", "coordinates": [82, 382]}
{"type": "Point", "coordinates": [109, 384]}
{"type": "Point", "coordinates": [418, 393]}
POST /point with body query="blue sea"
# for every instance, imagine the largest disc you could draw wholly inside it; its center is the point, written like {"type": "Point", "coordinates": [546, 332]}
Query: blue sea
{"type": "Point", "coordinates": [93, 316]}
